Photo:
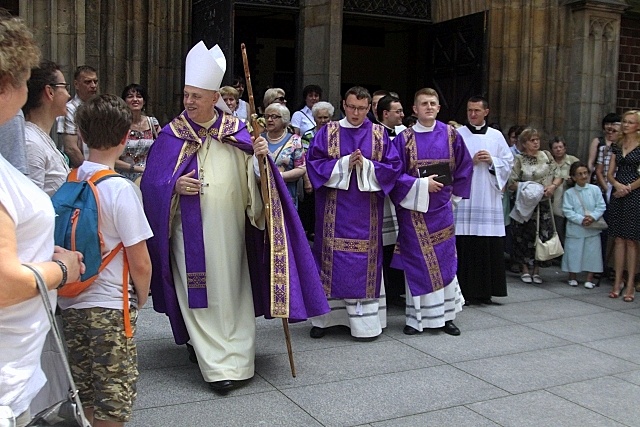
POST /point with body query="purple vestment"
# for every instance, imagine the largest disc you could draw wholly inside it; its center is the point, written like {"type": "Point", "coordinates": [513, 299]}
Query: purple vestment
{"type": "Point", "coordinates": [348, 244]}
{"type": "Point", "coordinates": [426, 249]}
{"type": "Point", "coordinates": [292, 290]}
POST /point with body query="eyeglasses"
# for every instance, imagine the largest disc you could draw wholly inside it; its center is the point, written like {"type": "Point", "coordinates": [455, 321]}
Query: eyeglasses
{"type": "Point", "coordinates": [136, 134]}
{"type": "Point", "coordinates": [272, 117]}
{"type": "Point", "coordinates": [63, 84]}
{"type": "Point", "coordinates": [280, 99]}
{"type": "Point", "coordinates": [355, 108]}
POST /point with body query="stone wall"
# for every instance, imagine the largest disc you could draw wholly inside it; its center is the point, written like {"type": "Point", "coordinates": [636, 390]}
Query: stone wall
{"type": "Point", "coordinates": [629, 72]}
{"type": "Point", "coordinates": [143, 41]}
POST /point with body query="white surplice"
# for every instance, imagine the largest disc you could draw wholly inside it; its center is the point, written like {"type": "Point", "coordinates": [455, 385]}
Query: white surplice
{"type": "Point", "coordinates": [481, 214]}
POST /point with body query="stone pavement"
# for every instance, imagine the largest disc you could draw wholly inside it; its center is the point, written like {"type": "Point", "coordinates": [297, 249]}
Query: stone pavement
{"type": "Point", "coordinates": [550, 355]}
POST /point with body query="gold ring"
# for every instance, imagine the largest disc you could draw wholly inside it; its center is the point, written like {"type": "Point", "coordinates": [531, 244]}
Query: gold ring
{"type": "Point", "coordinates": [188, 188]}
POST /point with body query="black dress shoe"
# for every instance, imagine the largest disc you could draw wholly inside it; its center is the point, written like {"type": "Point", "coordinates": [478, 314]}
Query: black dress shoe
{"type": "Point", "coordinates": [489, 301]}
{"type": "Point", "coordinates": [450, 328]}
{"type": "Point", "coordinates": [408, 330]}
{"type": "Point", "coordinates": [222, 387]}
{"type": "Point", "coordinates": [192, 354]}
{"type": "Point", "coordinates": [317, 332]}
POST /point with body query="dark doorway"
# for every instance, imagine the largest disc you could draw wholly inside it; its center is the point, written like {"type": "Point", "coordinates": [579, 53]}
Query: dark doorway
{"type": "Point", "coordinates": [270, 37]}
{"type": "Point", "coordinates": [382, 54]}
{"type": "Point", "coordinates": [456, 63]}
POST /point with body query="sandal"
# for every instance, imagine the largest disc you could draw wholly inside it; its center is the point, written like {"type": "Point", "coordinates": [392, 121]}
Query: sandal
{"type": "Point", "coordinates": [526, 278]}
{"type": "Point", "coordinates": [537, 279]}
{"type": "Point", "coordinates": [629, 298]}
{"type": "Point", "coordinates": [614, 293]}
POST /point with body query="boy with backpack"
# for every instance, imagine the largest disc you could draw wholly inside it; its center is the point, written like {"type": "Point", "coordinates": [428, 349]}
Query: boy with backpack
{"type": "Point", "coordinates": [99, 322]}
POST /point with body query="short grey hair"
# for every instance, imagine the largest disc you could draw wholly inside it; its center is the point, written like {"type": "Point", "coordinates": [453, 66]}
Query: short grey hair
{"type": "Point", "coordinates": [322, 105]}
{"type": "Point", "coordinates": [281, 110]}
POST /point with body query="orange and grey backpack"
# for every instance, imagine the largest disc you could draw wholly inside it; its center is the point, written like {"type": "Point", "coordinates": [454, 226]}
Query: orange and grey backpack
{"type": "Point", "coordinates": [77, 228]}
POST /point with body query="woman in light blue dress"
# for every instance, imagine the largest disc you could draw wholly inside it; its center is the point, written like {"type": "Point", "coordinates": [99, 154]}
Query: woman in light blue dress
{"type": "Point", "coordinates": [582, 206]}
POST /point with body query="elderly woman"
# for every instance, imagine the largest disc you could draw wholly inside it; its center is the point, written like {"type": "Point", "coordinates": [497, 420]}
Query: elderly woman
{"type": "Point", "coordinates": [285, 148]}
{"type": "Point", "coordinates": [143, 133]}
{"type": "Point", "coordinates": [536, 166]}
{"type": "Point", "coordinates": [47, 99]}
{"type": "Point", "coordinates": [27, 222]}
{"type": "Point", "coordinates": [231, 96]}
{"type": "Point", "coordinates": [563, 161]}
{"type": "Point", "coordinates": [303, 120]}
{"type": "Point", "coordinates": [624, 176]}
{"type": "Point", "coordinates": [322, 113]}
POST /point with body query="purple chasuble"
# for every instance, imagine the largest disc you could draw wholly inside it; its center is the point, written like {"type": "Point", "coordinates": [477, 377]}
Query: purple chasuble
{"type": "Point", "coordinates": [348, 244]}
{"type": "Point", "coordinates": [173, 154]}
{"type": "Point", "coordinates": [426, 249]}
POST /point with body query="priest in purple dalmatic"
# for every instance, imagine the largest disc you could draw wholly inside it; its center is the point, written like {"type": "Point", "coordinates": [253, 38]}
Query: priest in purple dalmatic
{"type": "Point", "coordinates": [352, 166]}
{"type": "Point", "coordinates": [212, 270]}
{"type": "Point", "coordinates": [436, 172]}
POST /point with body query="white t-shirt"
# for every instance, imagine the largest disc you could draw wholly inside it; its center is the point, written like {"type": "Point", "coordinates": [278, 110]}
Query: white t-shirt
{"type": "Point", "coordinates": [122, 219]}
{"type": "Point", "coordinates": [303, 120]}
{"type": "Point", "coordinates": [48, 168]}
{"type": "Point", "coordinates": [24, 326]}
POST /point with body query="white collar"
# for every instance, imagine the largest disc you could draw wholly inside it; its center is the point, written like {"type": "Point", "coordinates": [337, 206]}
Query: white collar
{"type": "Point", "coordinates": [345, 124]}
{"type": "Point", "coordinates": [479, 127]}
{"type": "Point", "coordinates": [418, 127]}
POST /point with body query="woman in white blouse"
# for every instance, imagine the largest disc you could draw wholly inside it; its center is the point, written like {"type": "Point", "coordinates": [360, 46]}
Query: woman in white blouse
{"type": "Point", "coordinates": [47, 99]}
{"type": "Point", "coordinates": [26, 221]}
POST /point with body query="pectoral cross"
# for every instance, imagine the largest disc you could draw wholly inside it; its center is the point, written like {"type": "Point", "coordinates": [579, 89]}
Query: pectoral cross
{"type": "Point", "coordinates": [202, 183]}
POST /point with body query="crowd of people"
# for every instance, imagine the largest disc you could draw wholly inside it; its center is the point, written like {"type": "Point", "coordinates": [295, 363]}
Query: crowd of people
{"type": "Point", "coordinates": [386, 205]}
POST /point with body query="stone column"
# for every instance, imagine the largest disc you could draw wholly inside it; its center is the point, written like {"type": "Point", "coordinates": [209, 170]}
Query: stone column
{"type": "Point", "coordinates": [595, 40]}
{"type": "Point", "coordinates": [321, 46]}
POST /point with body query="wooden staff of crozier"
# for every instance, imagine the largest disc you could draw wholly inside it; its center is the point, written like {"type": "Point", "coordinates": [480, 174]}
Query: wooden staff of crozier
{"type": "Point", "coordinates": [264, 188]}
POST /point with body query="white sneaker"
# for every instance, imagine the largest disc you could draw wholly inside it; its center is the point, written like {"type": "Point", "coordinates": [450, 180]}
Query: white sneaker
{"type": "Point", "coordinates": [589, 285]}
{"type": "Point", "coordinates": [574, 283]}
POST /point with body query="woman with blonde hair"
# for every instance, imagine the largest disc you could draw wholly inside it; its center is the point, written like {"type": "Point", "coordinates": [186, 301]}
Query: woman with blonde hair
{"type": "Point", "coordinates": [27, 221]}
{"type": "Point", "coordinates": [624, 176]}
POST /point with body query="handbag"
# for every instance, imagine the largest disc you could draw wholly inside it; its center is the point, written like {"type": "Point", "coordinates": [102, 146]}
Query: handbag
{"type": "Point", "coordinates": [550, 249]}
{"type": "Point", "coordinates": [600, 224]}
{"type": "Point", "coordinates": [67, 412]}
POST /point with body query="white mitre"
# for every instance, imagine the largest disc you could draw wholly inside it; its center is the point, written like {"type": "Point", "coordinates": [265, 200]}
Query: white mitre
{"type": "Point", "coordinates": [205, 69]}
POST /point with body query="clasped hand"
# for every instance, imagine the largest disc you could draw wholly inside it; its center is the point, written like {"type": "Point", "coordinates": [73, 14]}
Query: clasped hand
{"type": "Point", "coordinates": [482, 156]}
{"type": "Point", "coordinates": [356, 159]}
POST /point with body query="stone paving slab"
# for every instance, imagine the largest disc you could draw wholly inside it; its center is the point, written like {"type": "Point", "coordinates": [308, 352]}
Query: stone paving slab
{"type": "Point", "coordinates": [609, 396]}
{"type": "Point", "coordinates": [173, 386]}
{"type": "Point", "coordinates": [541, 310]}
{"type": "Point", "coordinates": [539, 369]}
{"type": "Point", "coordinates": [381, 397]}
{"type": "Point", "coordinates": [262, 409]}
{"type": "Point", "coordinates": [540, 408]}
{"type": "Point", "coordinates": [163, 353]}
{"type": "Point", "coordinates": [592, 327]}
{"type": "Point", "coordinates": [550, 355]}
{"type": "Point", "coordinates": [625, 347]}
{"type": "Point", "coordinates": [343, 363]}
{"type": "Point", "coordinates": [458, 416]}
{"type": "Point", "coordinates": [480, 344]}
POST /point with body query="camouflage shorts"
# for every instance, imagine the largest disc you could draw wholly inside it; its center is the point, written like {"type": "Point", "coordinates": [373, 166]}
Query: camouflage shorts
{"type": "Point", "coordinates": [103, 361]}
